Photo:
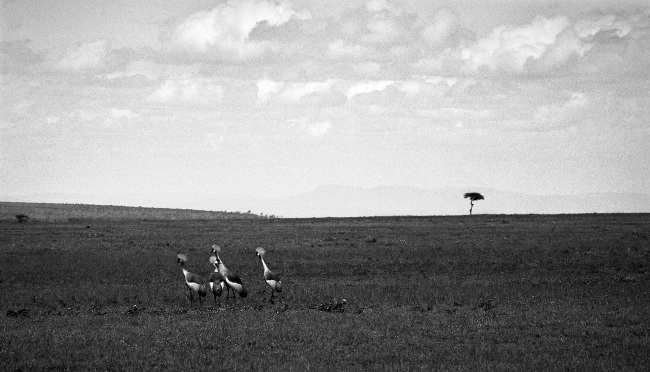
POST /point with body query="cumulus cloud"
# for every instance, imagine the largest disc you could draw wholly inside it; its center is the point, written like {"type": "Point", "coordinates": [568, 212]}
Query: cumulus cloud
{"type": "Point", "coordinates": [86, 56]}
{"type": "Point", "coordinates": [198, 91]}
{"type": "Point", "coordinates": [375, 6]}
{"type": "Point", "coordinates": [296, 91]}
{"type": "Point", "coordinates": [265, 88]}
{"type": "Point", "coordinates": [382, 30]}
{"type": "Point", "coordinates": [508, 48]}
{"type": "Point", "coordinates": [380, 25]}
{"type": "Point", "coordinates": [225, 30]}
{"type": "Point", "coordinates": [141, 67]}
{"type": "Point", "coordinates": [340, 49]}
{"type": "Point", "coordinates": [17, 55]}
{"type": "Point", "coordinates": [118, 114]}
{"type": "Point", "coordinates": [440, 28]}
{"type": "Point", "coordinates": [367, 87]}
{"type": "Point", "coordinates": [319, 129]}
{"type": "Point", "coordinates": [289, 92]}
{"type": "Point", "coordinates": [547, 43]}
{"type": "Point", "coordinates": [590, 27]}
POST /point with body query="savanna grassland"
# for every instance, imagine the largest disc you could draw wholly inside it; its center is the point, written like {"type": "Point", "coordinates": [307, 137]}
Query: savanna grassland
{"type": "Point", "coordinates": [486, 292]}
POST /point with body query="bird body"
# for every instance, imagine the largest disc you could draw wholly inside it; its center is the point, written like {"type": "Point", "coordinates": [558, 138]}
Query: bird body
{"type": "Point", "coordinates": [233, 282]}
{"type": "Point", "coordinates": [216, 281]}
{"type": "Point", "coordinates": [194, 282]}
{"type": "Point", "coordinates": [271, 278]}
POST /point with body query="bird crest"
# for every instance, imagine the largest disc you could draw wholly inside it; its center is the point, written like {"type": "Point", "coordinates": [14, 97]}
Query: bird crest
{"type": "Point", "coordinates": [260, 251]}
{"type": "Point", "coordinates": [216, 248]}
{"type": "Point", "coordinates": [182, 257]}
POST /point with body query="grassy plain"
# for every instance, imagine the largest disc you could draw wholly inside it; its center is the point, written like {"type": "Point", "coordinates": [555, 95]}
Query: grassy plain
{"type": "Point", "coordinates": [525, 292]}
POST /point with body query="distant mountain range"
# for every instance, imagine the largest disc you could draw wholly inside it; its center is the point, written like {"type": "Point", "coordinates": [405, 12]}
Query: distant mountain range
{"type": "Point", "coordinates": [347, 201]}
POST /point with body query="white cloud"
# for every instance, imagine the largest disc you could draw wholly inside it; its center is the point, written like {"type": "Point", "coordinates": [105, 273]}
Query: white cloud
{"type": "Point", "coordinates": [213, 140]}
{"type": "Point", "coordinates": [265, 88]}
{"type": "Point", "coordinates": [441, 27]}
{"type": "Point", "coordinates": [118, 114]}
{"type": "Point", "coordinates": [589, 28]}
{"type": "Point", "coordinates": [382, 30]}
{"type": "Point", "coordinates": [367, 68]}
{"type": "Point", "coordinates": [225, 30]}
{"type": "Point", "coordinates": [295, 91]}
{"type": "Point", "coordinates": [86, 56]}
{"type": "Point", "coordinates": [508, 48]}
{"type": "Point", "coordinates": [52, 119]}
{"type": "Point", "coordinates": [563, 113]}
{"type": "Point", "coordinates": [410, 88]}
{"type": "Point", "coordinates": [140, 67]}
{"type": "Point", "coordinates": [375, 6]}
{"type": "Point", "coordinates": [340, 49]}
{"type": "Point", "coordinates": [368, 87]}
{"type": "Point", "coordinates": [289, 92]}
{"type": "Point", "coordinates": [198, 91]}
{"type": "Point", "coordinates": [319, 129]}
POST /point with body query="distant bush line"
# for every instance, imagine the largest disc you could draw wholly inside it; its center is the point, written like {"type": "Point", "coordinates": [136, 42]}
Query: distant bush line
{"type": "Point", "coordinates": [52, 212]}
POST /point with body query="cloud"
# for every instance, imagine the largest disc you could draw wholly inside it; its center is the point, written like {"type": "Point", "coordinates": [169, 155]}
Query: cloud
{"type": "Point", "coordinates": [591, 27]}
{"type": "Point", "coordinates": [440, 28]}
{"type": "Point", "coordinates": [619, 44]}
{"type": "Point", "coordinates": [52, 119]}
{"type": "Point", "coordinates": [224, 32]}
{"type": "Point", "coordinates": [319, 129]}
{"type": "Point", "coordinates": [375, 6]}
{"type": "Point", "coordinates": [564, 113]}
{"type": "Point", "coordinates": [86, 56]}
{"type": "Point", "coordinates": [382, 30]}
{"type": "Point", "coordinates": [17, 55]}
{"type": "Point", "coordinates": [509, 48]}
{"type": "Point", "coordinates": [118, 114]}
{"type": "Point", "coordinates": [340, 49]}
{"type": "Point", "coordinates": [289, 92]}
{"type": "Point", "coordinates": [198, 91]}
{"type": "Point", "coordinates": [141, 67]}
{"type": "Point", "coordinates": [367, 87]}
{"type": "Point", "coordinates": [379, 25]}
{"type": "Point", "coordinates": [265, 88]}
{"type": "Point", "coordinates": [548, 43]}
{"type": "Point", "coordinates": [295, 91]}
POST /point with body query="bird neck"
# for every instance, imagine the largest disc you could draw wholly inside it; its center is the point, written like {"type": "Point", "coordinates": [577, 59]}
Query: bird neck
{"type": "Point", "coordinates": [264, 264]}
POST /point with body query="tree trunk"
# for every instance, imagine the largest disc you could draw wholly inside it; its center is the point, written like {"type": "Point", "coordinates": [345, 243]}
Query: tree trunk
{"type": "Point", "coordinates": [471, 206]}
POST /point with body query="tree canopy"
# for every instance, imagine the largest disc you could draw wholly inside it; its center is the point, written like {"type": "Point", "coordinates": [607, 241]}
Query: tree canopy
{"type": "Point", "coordinates": [473, 196]}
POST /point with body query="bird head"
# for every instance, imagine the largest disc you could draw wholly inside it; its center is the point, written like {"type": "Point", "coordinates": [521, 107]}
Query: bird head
{"type": "Point", "coordinates": [216, 249]}
{"type": "Point", "coordinates": [259, 252]}
{"type": "Point", "coordinates": [214, 261]}
{"type": "Point", "coordinates": [181, 258]}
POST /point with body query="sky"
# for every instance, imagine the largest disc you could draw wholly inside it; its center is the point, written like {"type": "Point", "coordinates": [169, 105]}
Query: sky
{"type": "Point", "coordinates": [276, 98]}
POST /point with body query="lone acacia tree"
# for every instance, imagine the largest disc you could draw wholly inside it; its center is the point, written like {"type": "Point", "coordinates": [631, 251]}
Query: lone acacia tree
{"type": "Point", "coordinates": [473, 196]}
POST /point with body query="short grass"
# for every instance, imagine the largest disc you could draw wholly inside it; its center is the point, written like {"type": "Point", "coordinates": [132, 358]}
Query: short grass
{"type": "Point", "coordinates": [565, 292]}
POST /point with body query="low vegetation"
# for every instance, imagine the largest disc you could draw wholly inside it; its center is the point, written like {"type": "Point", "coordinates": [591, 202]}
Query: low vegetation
{"type": "Point", "coordinates": [401, 293]}
{"type": "Point", "coordinates": [50, 212]}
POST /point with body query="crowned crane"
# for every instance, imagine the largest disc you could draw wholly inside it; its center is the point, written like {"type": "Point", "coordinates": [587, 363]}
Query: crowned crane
{"type": "Point", "coordinates": [194, 282]}
{"type": "Point", "coordinates": [272, 279]}
{"type": "Point", "coordinates": [216, 281]}
{"type": "Point", "coordinates": [233, 282]}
